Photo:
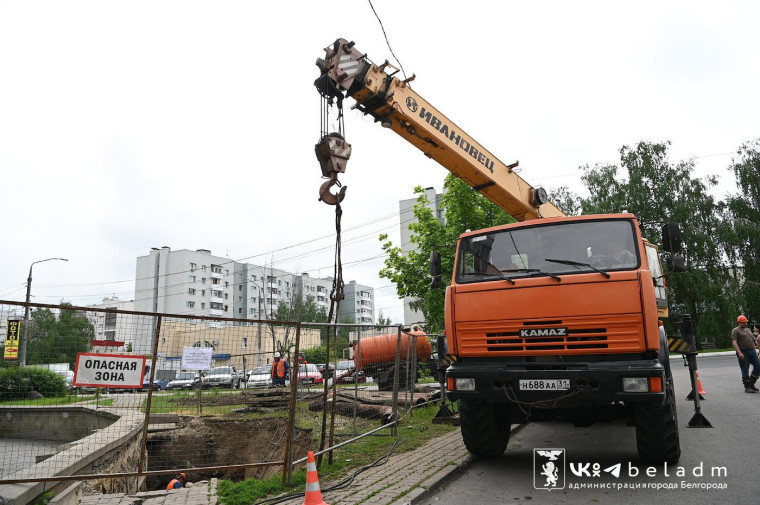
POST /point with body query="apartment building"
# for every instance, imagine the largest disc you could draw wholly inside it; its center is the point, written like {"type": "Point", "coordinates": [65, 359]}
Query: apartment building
{"type": "Point", "coordinates": [406, 217]}
{"type": "Point", "coordinates": [200, 284]}
{"type": "Point", "coordinates": [358, 306]}
{"type": "Point", "coordinates": [113, 326]}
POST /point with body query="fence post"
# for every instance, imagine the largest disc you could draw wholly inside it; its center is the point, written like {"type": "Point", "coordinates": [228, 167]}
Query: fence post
{"type": "Point", "coordinates": [356, 371]}
{"type": "Point", "coordinates": [396, 377]}
{"type": "Point", "coordinates": [154, 362]}
{"type": "Point", "coordinates": [414, 372]}
{"type": "Point", "coordinates": [288, 470]}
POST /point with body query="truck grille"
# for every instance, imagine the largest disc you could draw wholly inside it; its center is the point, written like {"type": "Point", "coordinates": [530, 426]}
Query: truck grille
{"type": "Point", "coordinates": [618, 333]}
{"type": "Point", "coordinates": [583, 338]}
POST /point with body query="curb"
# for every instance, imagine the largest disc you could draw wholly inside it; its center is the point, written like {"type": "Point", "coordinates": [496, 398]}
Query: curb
{"type": "Point", "coordinates": [708, 354]}
{"type": "Point", "coordinates": [436, 482]}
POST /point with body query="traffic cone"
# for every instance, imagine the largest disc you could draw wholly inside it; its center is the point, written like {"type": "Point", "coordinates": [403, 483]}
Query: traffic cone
{"type": "Point", "coordinates": [699, 385]}
{"type": "Point", "coordinates": [701, 391]}
{"type": "Point", "coordinates": [313, 495]}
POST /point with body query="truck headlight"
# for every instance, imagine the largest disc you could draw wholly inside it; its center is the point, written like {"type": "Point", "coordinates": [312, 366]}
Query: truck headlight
{"type": "Point", "coordinates": [636, 384]}
{"type": "Point", "coordinates": [464, 384]}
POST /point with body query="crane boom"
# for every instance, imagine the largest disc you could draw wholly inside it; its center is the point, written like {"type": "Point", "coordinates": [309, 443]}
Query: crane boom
{"type": "Point", "coordinates": [393, 103]}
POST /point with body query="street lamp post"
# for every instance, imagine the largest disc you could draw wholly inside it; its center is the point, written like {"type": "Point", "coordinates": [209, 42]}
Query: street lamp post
{"type": "Point", "coordinates": [22, 348]}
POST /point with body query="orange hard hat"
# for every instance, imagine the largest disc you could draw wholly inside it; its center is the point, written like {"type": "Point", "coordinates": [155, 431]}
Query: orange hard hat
{"type": "Point", "coordinates": [741, 319]}
{"type": "Point", "coordinates": [183, 476]}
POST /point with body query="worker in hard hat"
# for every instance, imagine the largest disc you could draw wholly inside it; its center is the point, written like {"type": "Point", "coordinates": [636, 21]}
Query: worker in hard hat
{"type": "Point", "coordinates": [280, 369]}
{"type": "Point", "coordinates": [177, 482]}
{"type": "Point", "coordinates": [744, 343]}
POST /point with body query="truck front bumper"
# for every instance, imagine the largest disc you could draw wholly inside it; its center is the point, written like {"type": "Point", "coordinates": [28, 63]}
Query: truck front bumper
{"type": "Point", "coordinates": [590, 383]}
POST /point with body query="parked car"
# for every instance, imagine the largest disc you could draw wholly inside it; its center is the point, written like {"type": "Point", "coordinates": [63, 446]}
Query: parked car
{"type": "Point", "coordinates": [323, 370]}
{"type": "Point", "coordinates": [352, 376]}
{"type": "Point", "coordinates": [158, 384]}
{"type": "Point", "coordinates": [308, 374]}
{"type": "Point", "coordinates": [221, 376]}
{"type": "Point", "coordinates": [342, 368]}
{"type": "Point", "coordinates": [260, 377]}
{"type": "Point", "coordinates": [184, 380]}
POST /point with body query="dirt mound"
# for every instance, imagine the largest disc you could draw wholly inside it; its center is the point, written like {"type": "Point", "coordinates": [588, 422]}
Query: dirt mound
{"type": "Point", "coordinates": [201, 442]}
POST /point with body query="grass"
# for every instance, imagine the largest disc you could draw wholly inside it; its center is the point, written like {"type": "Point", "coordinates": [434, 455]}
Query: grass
{"type": "Point", "coordinates": [414, 431]}
{"type": "Point", "coordinates": [44, 402]}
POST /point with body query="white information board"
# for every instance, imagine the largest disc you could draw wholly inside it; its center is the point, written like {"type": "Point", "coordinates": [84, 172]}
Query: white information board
{"type": "Point", "coordinates": [196, 358]}
{"type": "Point", "coordinates": [109, 370]}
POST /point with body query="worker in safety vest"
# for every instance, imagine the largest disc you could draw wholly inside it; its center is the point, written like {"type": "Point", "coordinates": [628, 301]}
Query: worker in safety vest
{"type": "Point", "coordinates": [279, 370]}
{"type": "Point", "coordinates": [178, 482]}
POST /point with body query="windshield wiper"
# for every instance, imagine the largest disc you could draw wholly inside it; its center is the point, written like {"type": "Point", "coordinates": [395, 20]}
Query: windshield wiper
{"type": "Point", "coordinates": [487, 274]}
{"type": "Point", "coordinates": [577, 264]}
{"type": "Point", "coordinates": [534, 270]}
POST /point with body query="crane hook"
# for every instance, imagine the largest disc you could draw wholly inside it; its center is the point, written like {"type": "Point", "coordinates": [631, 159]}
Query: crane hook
{"type": "Point", "coordinates": [330, 198]}
{"type": "Point", "coordinates": [333, 153]}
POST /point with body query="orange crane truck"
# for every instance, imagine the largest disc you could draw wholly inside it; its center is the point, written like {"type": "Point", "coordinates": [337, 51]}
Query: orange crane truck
{"type": "Point", "coordinates": [554, 317]}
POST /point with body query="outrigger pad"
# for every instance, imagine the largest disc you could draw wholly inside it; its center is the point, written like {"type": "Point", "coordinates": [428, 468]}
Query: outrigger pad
{"type": "Point", "coordinates": [699, 421]}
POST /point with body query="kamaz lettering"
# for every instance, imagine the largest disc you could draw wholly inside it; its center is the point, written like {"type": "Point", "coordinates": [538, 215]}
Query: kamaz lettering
{"type": "Point", "coordinates": [452, 135]}
{"type": "Point", "coordinates": [544, 332]}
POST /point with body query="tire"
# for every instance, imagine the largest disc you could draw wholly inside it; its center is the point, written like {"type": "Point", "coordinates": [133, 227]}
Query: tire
{"type": "Point", "coordinates": [657, 429]}
{"type": "Point", "coordinates": [485, 427]}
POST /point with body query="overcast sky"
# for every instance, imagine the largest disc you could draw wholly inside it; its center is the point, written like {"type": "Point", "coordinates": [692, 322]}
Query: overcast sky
{"type": "Point", "coordinates": [131, 125]}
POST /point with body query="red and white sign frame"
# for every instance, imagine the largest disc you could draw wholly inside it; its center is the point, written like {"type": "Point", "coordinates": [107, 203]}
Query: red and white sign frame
{"type": "Point", "coordinates": [116, 370]}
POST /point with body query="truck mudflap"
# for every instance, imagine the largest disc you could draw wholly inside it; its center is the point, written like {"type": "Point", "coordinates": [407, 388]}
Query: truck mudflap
{"type": "Point", "coordinates": [569, 383]}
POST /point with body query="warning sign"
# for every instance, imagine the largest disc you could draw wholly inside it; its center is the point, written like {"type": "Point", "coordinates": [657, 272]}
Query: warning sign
{"type": "Point", "coordinates": [109, 370]}
{"type": "Point", "coordinates": [12, 338]}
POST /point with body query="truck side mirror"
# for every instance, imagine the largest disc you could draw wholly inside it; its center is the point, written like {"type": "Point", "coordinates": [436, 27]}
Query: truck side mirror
{"type": "Point", "coordinates": [675, 263]}
{"type": "Point", "coordinates": [435, 268]}
{"type": "Point", "coordinates": [671, 238]}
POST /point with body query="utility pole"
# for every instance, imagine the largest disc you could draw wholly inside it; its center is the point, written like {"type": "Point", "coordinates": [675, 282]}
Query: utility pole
{"type": "Point", "coordinates": [25, 335]}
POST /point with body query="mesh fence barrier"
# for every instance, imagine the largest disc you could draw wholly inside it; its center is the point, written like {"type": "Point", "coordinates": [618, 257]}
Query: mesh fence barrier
{"type": "Point", "coordinates": [211, 397]}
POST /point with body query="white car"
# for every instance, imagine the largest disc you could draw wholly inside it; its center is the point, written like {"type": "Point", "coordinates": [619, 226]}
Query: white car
{"type": "Point", "coordinates": [183, 380]}
{"type": "Point", "coordinates": [260, 377]}
{"type": "Point", "coordinates": [342, 368]}
{"type": "Point", "coordinates": [221, 376]}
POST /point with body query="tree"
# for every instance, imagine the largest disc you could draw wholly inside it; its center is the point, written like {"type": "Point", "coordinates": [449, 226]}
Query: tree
{"type": "Point", "coordinates": [463, 209]}
{"type": "Point", "coordinates": [566, 200]}
{"type": "Point", "coordinates": [57, 339]}
{"type": "Point", "coordinates": [656, 190]}
{"type": "Point", "coordinates": [383, 321]}
{"type": "Point", "coordinates": [742, 218]}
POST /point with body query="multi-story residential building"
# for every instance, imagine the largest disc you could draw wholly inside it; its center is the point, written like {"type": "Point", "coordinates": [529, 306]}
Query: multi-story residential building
{"type": "Point", "coordinates": [358, 306]}
{"type": "Point", "coordinates": [319, 289]}
{"type": "Point", "coordinates": [406, 217]}
{"type": "Point", "coordinates": [200, 284]}
{"type": "Point", "coordinates": [113, 326]}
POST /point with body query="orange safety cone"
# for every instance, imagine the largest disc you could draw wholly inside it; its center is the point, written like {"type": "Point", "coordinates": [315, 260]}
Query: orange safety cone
{"type": "Point", "coordinates": [313, 494]}
{"type": "Point", "coordinates": [699, 385]}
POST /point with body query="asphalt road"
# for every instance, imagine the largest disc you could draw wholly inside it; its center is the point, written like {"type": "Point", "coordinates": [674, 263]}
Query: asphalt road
{"type": "Point", "coordinates": [726, 454]}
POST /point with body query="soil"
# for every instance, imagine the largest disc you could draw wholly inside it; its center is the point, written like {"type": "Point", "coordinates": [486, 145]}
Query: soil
{"type": "Point", "coordinates": [202, 441]}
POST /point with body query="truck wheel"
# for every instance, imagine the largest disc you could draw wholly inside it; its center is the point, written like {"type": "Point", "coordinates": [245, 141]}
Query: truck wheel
{"type": "Point", "coordinates": [485, 427]}
{"type": "Point", "coordinates": [657, 429]}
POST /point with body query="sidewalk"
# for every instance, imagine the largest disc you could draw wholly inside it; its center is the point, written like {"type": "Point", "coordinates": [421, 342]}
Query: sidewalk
{"type": "Point", "coordinates": [406, 478]}
{"type": "Point", "coordinates": [201, 493]}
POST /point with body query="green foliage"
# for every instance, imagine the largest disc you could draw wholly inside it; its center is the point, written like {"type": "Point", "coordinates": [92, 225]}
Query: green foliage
{"type": "Point", "coordinates": [742, 218]}
{"type": "Point", "coordinates": [57, 339]}
{"type": "Point", "coordinates": [565, 200]}
{"type": "Point", "coordinates": [17, 382]}
{"type": "Point", "coordinates": [251, 490]}
{"type": "Point", "coordinates": [463, 209]}
{"type": "Point", "coordinates": [657, 190]}
{"type": "Point", "coordinates": [383, 321]}
{"type": "Point", "coordinates": [316, 354]}
{"type": "Point", "coordinates": [128, 347]}
{"type": "Point", "coordinates": [301, 309]}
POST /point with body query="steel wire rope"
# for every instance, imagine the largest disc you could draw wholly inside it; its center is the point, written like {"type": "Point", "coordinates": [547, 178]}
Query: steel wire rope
{"type": "Point", "coordinates": [352, 241]}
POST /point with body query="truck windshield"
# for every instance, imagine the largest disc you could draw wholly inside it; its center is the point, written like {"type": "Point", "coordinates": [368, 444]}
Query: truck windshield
{"type": "Point", "coordinates": [575, 247]}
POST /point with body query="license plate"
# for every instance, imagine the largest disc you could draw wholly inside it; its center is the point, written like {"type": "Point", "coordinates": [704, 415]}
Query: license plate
{"type": "Point", "coordinates": [545, 384]}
